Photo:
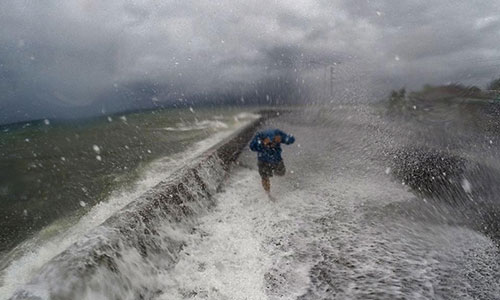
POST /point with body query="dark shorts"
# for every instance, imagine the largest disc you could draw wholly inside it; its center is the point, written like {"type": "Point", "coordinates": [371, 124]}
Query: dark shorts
{"type": "Point", "coordinates": [267, 170]}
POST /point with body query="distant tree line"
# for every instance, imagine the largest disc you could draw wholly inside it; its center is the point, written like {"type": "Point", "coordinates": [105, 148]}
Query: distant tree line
{"type": "Point", "coordinates": [494, 85]}
{"type": "Point", "coordinates": [403, 102]}
{"type": "Point", "coordinates": [400, 99]}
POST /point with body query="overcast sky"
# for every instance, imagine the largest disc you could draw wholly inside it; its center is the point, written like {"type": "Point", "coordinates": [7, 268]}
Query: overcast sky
{"type": "Point", "coordinates": [65, 54]}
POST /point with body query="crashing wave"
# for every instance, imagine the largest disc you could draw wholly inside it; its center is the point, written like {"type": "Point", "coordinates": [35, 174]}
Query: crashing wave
{"type": "Point", "coordinates": [199, 125]}
{"type": "Point", "coordinates": [118, 259]}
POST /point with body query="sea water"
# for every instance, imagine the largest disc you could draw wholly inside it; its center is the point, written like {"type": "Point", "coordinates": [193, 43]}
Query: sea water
{"type": "Point", "coordinates": [62, 178]}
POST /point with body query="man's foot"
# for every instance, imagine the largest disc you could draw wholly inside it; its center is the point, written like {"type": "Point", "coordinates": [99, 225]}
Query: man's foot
{"type": "Point", "coordinates": [271, 197]}
{"type": "Point", "coordinates": [266, 184]}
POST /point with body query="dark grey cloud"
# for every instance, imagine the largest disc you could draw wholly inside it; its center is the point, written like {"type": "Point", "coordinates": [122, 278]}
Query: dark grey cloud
{"type": "Point", "coordinates": [64, 57]}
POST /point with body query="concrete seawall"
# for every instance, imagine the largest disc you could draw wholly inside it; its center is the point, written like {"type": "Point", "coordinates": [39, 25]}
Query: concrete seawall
{"type": "Point", "coordinates": [140, 234]}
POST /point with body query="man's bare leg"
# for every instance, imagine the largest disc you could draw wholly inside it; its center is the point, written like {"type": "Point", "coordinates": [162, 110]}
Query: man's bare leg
{"type": "Point", "coordinates": [266, 184]}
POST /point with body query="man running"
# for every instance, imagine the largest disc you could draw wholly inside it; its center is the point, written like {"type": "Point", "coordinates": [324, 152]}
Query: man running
{"type": "Point", "coordinates": [267, 144]}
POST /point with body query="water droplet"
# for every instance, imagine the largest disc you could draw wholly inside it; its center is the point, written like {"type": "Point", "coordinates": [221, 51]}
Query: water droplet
{"type": "Point", "coordinates": [96, 149]}
{"type": "Point", "coordinates": [466, 186]}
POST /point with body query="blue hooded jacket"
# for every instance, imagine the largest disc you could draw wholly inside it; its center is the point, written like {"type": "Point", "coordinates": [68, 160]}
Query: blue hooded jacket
{"type": "Point", "coordinates": [272, 153]}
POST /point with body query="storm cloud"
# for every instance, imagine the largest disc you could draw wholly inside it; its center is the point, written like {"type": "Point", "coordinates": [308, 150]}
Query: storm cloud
{"type": "Point", "coordinates": [59, 58]}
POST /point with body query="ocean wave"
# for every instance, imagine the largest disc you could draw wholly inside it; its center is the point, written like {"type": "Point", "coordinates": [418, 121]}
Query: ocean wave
{"type": "Point", "coordinates": [247, 116]}
{"type": "Point", "coordinates": [218, 122]}
{"type": "Point", "coordinates": [29, 258]}
{"type": "Point", "coordinates": [199, 125]}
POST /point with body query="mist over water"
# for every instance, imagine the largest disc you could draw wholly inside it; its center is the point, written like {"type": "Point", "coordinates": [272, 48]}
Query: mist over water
{"type": "Point", "coordinates": [371, 207]}
{"type": "Point", "coordinates": [120, 124]}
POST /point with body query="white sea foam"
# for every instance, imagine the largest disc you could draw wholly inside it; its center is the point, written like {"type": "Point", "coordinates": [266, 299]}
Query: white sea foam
{"type": "Point", "coordinates": [224, 258]}
{"type": "Point", "coordinates": [31, 255]}
{"type": "Point", "coordinates": [246, 115]}
{"type": "Point", "coordinates": [199, 125]}
{"type": "Point", "coordinates": [217, 123]}
{"type": "Point", "coordinates": [230, 254]}
{"type": "Point", "coordinates": [254, 248]}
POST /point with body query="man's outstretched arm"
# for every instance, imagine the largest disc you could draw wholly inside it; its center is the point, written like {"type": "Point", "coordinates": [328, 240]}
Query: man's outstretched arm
{"type": "Point", "coordinates": [286, 138]}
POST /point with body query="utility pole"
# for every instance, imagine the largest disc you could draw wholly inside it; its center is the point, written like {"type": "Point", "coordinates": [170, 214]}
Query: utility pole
{"type": "Point", "coordinates": [326, 65]}
{"type": "Point", "coordinates": [331, 81]}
